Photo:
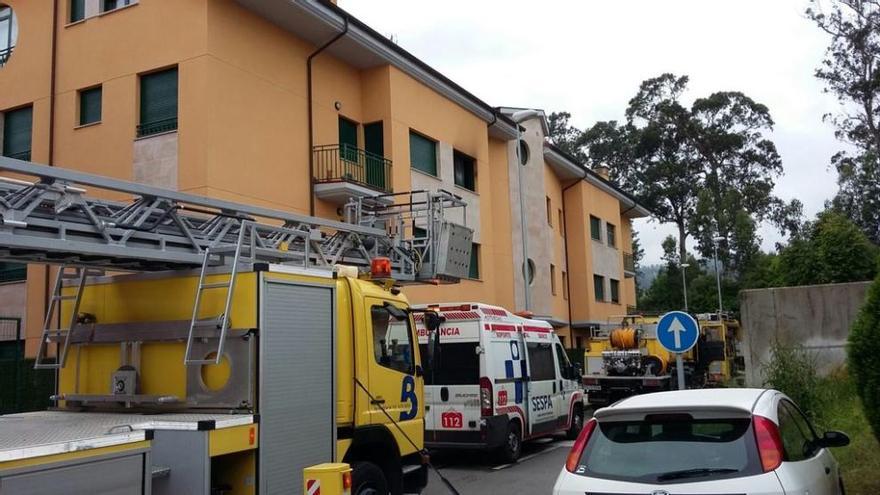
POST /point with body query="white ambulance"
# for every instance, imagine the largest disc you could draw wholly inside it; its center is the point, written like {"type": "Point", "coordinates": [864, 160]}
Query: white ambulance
{"type": "Point", "coordinates": [495, 380]}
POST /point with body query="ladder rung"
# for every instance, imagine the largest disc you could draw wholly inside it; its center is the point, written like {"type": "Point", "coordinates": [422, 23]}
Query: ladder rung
{"type": "Point", "coordinates": [64, 298]}
{"type": "Point", "coordinates": [218, 285]}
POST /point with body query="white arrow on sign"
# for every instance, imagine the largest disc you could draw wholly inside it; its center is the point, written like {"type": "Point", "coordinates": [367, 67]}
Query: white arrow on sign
{"type": "Point", "coordinates": [676, 328]}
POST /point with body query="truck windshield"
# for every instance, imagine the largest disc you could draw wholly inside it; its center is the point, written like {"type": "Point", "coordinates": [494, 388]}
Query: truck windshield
{"type": "Point", "coordinates": [672, 448]}
{"type": "Point", "coordinates": [459, 364]}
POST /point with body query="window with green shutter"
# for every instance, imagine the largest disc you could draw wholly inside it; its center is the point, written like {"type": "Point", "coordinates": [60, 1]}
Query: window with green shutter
{"type": "Point", "coordinates": [108, 5]}
{"type": "Point", "coordinates": [422, 153]}
{"type": "Point", "coordinates": [158, 102]}
{"type": "Point", "coordinates": [348, 140]}
{"type": "Point", "coordinates": [12, 272]}
{"type": "Point", "coordinates": [599, 287]}
{"type": "Point", "coordinates": [17, 127]}
{"type": "Point", "coordinates": [615, 291]}
{"type": "Point", "coordinates": [475, 261]}
{"type": "Point", "coordinates": [595, 228]}
{"type": "Point", "coordinates": [90, 106]}
{"type": "Point", "coordinates": [77, 10]}
{"type": "Point", "coordinates": [465, 171]}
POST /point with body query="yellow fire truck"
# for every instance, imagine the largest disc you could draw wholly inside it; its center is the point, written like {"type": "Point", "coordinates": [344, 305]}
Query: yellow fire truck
{"type": "Point", "coordinates": [240, 346]}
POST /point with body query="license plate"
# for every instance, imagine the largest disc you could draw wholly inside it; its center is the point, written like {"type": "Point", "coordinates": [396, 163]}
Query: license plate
{"type": "Point", "coordinates": [592, 387]}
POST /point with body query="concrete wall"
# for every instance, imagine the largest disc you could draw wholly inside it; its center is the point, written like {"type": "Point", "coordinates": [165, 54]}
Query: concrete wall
{"type": "Point", "coordinates": [817, 317]}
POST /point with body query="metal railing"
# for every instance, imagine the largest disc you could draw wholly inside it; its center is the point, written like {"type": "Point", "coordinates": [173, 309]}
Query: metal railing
{"type": "Point", "coordinates": [629, 263]}
{"type": "Point", "coordinates": [341, 162]}
{"type": "Point", "coordinates": [22, 155]}
{"type": "Point", "coordinates": [157, 127]}
{"type": "Point", "coordinates": [5, 53]}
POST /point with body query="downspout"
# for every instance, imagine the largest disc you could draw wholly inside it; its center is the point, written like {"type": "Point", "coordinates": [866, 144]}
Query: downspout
{"type": "Point", "coordinates": [567, 266]}
{"type": "Point", "coordinates": [314, 54]}
{"type": "Point", "coordinates": [51, 163]}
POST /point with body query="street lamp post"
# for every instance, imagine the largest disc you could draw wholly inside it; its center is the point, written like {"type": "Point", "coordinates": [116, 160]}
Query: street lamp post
{"type": "Point", "coordinates": [684, 284]}
{"type": "Point", "coordinates": [518, 117]}
{"type": "Point", "coordinates": [715, 241]}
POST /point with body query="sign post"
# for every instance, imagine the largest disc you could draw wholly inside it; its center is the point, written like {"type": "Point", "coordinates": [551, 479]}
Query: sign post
{"type": "Point", "coordinates": [678, 332]}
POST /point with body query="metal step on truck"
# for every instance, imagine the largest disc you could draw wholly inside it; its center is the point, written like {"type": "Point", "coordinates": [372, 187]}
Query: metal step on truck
{"type": "Point", "coordinates": [207, 347]}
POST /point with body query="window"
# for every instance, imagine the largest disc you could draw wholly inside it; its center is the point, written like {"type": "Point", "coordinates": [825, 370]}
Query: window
{"type": "Point", "coordinates": [523, 152]}
{"type": "Point", "coordinates": [529, 268]}
{"type": "Point", "coordinates": [561, 223]}
{"type": "Point", "coordinates": [108, 5]}
{"type": "Point", "coordinates": [465, 171]}
{"type": "Point", "coordinates": [615, 291]}
{"type": "Point", "coordinates": [474, 271]}
{"type": "Point", "coordinates": [90, 106]}
{"type": "Point", "coordinates": [797, 434]}
{"type": "Point", "coordinates": [562, 360]}
{"type": "Point", "coordinates": [17, 127]}
{"type": "Point", "coordinates": [595, 228]}
{"type": "Point", "coordinates": [77, 10]}
{"type": "Point", "coordinates": [599, 287]}
{"type": "Point", "coordinates": [12, 272]}
{"type": "Point", "coordinates": [549, 209]}
{"type": "Point", "coordinates": [459, 364]}
{"type": "Point", "coordinates": [541, 365]}
{"type": "Point", "coordinates": [552, 279]}
{"type": "Point", "coordinates": [158, 103]}
{"type": "Point", "coordinates": [392, 341]}
{"type": "Point", "coordinates": [611, 234]}
{"type": "Point", "coordinates": [565, 285]}
{"type": "Point", "coordinates": [422, 153]}
{"type": "Point", "coordinates": [673, 448]}
{"type": "Point", "coordinates": [8, 33]}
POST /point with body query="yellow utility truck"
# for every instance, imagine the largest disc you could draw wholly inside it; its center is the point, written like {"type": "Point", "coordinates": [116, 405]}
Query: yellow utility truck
{"type": "Point", "coordinates": [624, 358]}
{"type": "Point", "coordinates": [207, 347]}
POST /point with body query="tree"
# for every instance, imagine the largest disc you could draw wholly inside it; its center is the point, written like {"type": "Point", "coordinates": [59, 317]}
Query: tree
{"type": "Point", "coordinates": [708, 168]}
{"type": "Point", "coordinates": [565, 135]}
{"type": "Point", "coordinates": [863, 354]}
{"type": "Point", "coordinates": [832, 249]}
{"type": "Point", "coordinates": [851, 72]}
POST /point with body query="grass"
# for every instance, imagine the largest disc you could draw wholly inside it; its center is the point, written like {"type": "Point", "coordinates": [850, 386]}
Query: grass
{"type": "Point", "coordinates": [841, 410]}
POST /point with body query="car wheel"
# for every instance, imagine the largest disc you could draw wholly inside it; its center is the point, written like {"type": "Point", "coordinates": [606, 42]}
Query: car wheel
{"type": "Point", "coordinates": [368, 479]}
{"type": "Point", "coordinates": [577, 424]}
{"type": "Point", "coordinates": [512, 448]}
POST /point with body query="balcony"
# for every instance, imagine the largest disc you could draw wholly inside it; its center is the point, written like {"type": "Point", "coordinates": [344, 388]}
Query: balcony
{"type": "Point", "coordinates": [343, 171]}
{"type": "Point", "coordinates": [629, 265]}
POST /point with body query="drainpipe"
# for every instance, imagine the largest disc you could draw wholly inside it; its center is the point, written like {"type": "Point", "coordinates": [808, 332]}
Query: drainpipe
{"type": "Point", "coordinates": [51, 163]}
{"type": "Point", "coordinates": [517, 118]}
{"type": "Point", "coordinates": [567, 267]}
{"type": "Point", "coordinates": [314, 54]}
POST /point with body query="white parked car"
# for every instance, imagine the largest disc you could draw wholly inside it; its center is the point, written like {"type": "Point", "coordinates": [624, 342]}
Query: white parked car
{"type": "Point", "coordinates": [710, 441]}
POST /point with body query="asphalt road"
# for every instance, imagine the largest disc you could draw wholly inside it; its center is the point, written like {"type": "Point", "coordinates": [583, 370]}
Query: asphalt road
{"type": "Point", "coordinates": [474, 473]}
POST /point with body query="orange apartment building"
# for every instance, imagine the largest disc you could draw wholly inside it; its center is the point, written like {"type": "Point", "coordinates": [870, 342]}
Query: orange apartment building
{"type": "Point", "coordinates": [265, 102]}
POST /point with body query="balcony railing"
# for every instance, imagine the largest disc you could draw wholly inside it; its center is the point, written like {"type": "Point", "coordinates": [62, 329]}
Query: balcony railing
{"type": "Point", "coordinates": [22, 155]}
{"type": "Point", "coordinates": [629, 264]}
{"type": "Point", "coordinates": [5, 53]}
{"type": "Point", "coordinates": [157, 127]}
{"type": "Point", "coordinates": [337, 163]}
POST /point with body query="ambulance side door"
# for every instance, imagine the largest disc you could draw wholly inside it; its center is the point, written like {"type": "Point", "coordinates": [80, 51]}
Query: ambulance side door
{"type": "Point", "coordinates": [542, 384]}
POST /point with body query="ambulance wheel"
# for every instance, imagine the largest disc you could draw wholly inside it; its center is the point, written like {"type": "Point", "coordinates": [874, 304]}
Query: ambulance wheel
{"type": "Point", "coordinates": [512, 448]}
{"type": "Point", "coordinates": [577, 423]}
{"type": "Point", "coordinates": [368, 479]}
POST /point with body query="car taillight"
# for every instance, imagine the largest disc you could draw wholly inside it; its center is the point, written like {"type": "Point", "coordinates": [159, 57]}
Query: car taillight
{"type": "Point", "coordinates": [577, 450]}
{"type": "Point", "coordinates": [769, 443]}
{"type": "Point", "coordinates": [485, 397]}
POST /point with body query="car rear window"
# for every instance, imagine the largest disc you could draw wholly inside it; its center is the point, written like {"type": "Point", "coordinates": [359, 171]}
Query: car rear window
{"type": "Point", "coordinates": [459, 364]}
{"type": "Point", "coordinates": [671, 448]}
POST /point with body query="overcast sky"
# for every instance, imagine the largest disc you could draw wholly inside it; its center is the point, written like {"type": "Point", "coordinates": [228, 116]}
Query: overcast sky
{"type": "Point", "coordinates": [588, 58]}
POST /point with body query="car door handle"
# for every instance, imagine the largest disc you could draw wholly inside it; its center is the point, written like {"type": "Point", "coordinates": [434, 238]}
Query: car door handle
{"type": "Point", "coordinates": [827, 470]}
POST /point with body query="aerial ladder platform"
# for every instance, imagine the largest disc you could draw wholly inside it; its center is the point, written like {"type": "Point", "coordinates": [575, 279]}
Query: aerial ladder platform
{"type": "Point", "coordinates": [51, 215]}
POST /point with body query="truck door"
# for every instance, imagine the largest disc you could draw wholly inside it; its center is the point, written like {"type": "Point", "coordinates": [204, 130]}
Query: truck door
{"type": "Point", "coordinates": [542, 384]}
{"type": "Point", "coordinates": [392, 370]}
{"type": "Point", "coordinates": [563, 392]}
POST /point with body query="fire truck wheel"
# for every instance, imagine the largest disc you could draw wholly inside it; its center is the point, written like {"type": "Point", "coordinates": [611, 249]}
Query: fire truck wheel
{"type": "Point", "coordinates": [368, 479]}
{"type": "Point", "coordinates": [577, 424]}
{"type": "Point", "coordinates": [512, 447]}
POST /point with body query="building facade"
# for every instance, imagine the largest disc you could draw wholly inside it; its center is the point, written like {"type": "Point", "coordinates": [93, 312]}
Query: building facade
{"type": "Point", "coordinates": [295, 106]}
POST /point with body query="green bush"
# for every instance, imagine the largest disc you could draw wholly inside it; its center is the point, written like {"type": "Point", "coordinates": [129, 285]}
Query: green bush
{"type": "Point", "coordinates": [792, 371]}
{"type": "Point", "coordinates": [864, 356]}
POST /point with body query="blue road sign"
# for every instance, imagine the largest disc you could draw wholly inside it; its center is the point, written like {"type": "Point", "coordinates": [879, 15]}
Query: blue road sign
{"type": "Point", "coordinates": [677, 331]}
